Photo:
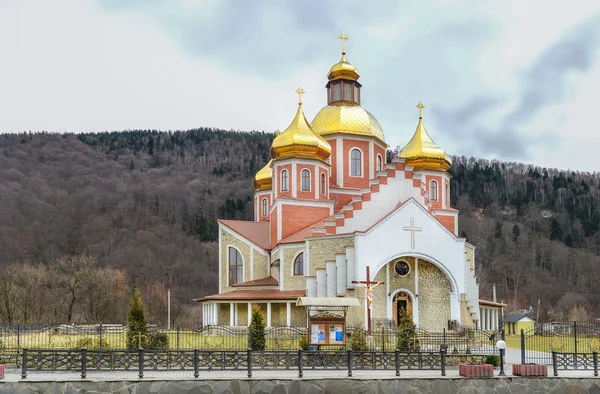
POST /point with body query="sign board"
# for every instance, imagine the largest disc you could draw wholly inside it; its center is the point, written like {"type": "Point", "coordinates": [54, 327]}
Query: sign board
{"type": "Point", "coordinates": [327, 331]}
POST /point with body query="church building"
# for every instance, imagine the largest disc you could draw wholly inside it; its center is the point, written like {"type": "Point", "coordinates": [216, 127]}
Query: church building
{"type": "Point", "coordinates": [328, 207]}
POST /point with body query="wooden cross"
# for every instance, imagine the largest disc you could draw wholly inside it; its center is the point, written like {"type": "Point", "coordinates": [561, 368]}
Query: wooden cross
{"type": "Point", "coordinates": [412, 230]}
{"type": "Point", "coordinates": [343, 38]}
{"type": "Point", "coordinates": [300, 92]}
{"type": "Point", "coordinates": [420, 106]}
{"type": "Point", "coordinates": [368, 285]}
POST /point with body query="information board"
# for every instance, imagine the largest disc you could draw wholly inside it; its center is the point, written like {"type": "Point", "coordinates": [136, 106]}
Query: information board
{"type": "Point", "coordinates": [327, 332]}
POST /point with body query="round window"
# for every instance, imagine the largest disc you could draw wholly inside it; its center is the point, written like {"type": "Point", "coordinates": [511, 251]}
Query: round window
{"type": "Point", "coordinates": [402, 268]}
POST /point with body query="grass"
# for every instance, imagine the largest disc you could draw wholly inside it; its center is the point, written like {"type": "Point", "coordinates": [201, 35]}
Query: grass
{"type": "Point", "coordinates": [563, 343]}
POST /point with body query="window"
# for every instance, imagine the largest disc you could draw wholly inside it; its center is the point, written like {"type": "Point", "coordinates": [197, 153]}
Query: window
{"type": "Point", "coordinates": [299, 264]}
{"type": "Point", "coordinates": [236, 266]}
{"type": "Point", "coordinates": [347, 91]}
{"type": "Point", "coordinates": [284, 181]}
{"type": "Point", "coordinates": [337, 92]}
{"type": "Point", "coordinates": [433, 191]}
{"type": "Point", "coordinates": [305, 180]}
{"type": "Point", "coordinates": [355, 163]}
{"type": "Point", "coordinates": [356, 94]}
{"type": "Point", "coordinates": [264, 207]}
{"type": "Point", "coordinates": [378, 162]}
{"type": "Point", "coordinates": [323, 184]}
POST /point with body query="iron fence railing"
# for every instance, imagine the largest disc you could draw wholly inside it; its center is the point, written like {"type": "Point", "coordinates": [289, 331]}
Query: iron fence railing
{"type": "Point", "coordinates": [141, 360]}
{"type": "Point", "coordinates": [566, 361]}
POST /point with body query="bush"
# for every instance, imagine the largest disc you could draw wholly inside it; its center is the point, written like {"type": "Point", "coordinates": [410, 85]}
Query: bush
{"type": "Point", "coordinates": [303, 343]}
{"type": "Point", "coordinates": [256, 334]}
{"type": "Point", "coordinates": [455, 350]}
{"type": "Point", "coordinates": [158, 341]}
{"type": "Point", "coordinates": [468, 351]}
{"type": "Point", "coordinates": [137, 335]}
{"type": "Point", "coordinates": [407, 339]}
{"type": "Point", "coordinates": [358, 341]}
{"type": "Point", "coordinates": [92, 343]}
{"type": "Point", "coordinates": [492, 359]}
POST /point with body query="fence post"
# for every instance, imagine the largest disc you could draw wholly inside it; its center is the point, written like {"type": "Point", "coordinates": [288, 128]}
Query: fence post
{"type": "Point", "coordinates": [196, 362]}
{"type": "Point", "coordinates": [18, 337]}
{"type": "Point", "coordinates": [443, 361]}
{"type": "Point", "coordinates": [350, 363]}
{"type": "Point", "coordinates": [503, 334]}
{"type": "Point", "coordinates": [444, 338]}
{"type": "Point", "coordinates": [177, 338]}
{"type": "Point", "coordinates": [397, 361]}
{"type": "Point", "coordinates": [554, 366]}
{"type": "Point", "coordinates": [522, 346]}
{"type": "Point", "coordinates": [249, 362]}
{"type": "Point", "coordinates": [300, 366]}
{"type": "Point", "coordinates": [595, 355]}
{"type": "Point", "coordinates": [24, 364]}
{"type": "Point", "coordinates": [83, 363]}
{"type": "Point", "coordinates": [575, 344]}
{"type": "Point", "coordinates": [100, 332]}
{"type": "Point", "coordinates": [382, 339]}
{"type": "Point", "coordinates": [141, 363]}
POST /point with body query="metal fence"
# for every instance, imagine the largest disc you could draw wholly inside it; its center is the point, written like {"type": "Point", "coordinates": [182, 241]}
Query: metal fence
{"type": "Point", "coordinates": [84, 360]}
{"type": "Point", "coordinates": [114, 337]}
{"type": "Point", "coordinates": [566, 361]}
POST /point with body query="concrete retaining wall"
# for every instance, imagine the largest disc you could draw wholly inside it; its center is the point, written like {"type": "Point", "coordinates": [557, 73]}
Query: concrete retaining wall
{"type": "Point", "coordinates": [309, 386]}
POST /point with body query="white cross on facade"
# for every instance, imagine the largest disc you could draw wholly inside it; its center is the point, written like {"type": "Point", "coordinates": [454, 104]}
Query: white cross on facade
{"type": "Point", "coordinates": [412, 230]}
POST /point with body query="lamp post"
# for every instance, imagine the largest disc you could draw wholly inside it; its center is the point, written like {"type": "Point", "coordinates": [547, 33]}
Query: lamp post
{"type": "Point", "coordinates": [501, 345]}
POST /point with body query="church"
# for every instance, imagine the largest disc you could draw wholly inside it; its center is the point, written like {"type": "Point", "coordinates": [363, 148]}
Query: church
{"type": "Point", "coordinates": [330, 210]}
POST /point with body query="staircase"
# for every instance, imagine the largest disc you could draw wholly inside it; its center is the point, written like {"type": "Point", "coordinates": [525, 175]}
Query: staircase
{"type": "Point", "coordinates": [335, 279]}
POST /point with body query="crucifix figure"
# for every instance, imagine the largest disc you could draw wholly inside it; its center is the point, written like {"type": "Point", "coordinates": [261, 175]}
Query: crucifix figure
{"type": "Point", "coordinates": [368, 285]}
{"type": "Point", "coordinates": [300, 92]}
{"type": "Point", "coordinates": [420, 106]}
{"type": "Point", "coordinates": [343, 38]}
{"type": "Point", "coordinates": [412, 230]}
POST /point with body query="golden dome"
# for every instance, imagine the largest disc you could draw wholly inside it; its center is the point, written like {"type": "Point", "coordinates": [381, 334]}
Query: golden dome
{"type": "Point", "coordinates": [343, 70]}
{"type": "Point", "coordinates": [299, 140]}
{"type": "Point", "coordinates": [349, 118]}
{"type": "Point", "coordinates": [263, 180]}
{"type": "Point", "coordinates": [422, 153]}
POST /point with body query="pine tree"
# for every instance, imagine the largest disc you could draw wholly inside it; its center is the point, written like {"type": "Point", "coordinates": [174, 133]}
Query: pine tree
{"type": "Point", "coordinates": [256, 334]}
{"type": "Point", "coordinates": [137, 336]}
{"type": "Point", "coordinates": [407, 339]}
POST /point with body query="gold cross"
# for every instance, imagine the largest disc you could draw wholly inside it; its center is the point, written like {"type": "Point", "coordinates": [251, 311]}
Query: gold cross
{"type": "Point", "coordinates": [300, 92]}
{"type": "Point", "coordinates": [420, 106]}
{"type": "Point", "coordinates": [412, 230]}
{"type": "Point", "coordinates": [343, 38]}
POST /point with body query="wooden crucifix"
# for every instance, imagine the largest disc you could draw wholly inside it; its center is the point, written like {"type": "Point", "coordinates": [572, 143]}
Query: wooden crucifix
{"type": "Point", "coordinates": [368, 285]}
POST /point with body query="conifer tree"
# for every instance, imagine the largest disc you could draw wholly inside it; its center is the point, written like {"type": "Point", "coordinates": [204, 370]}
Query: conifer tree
{"type": "Point", "coordinates": [407, 339]}
{"type": "Point", "coordinates": [256, 335]}
{"type": "Point", "coordinates": [137, 336]}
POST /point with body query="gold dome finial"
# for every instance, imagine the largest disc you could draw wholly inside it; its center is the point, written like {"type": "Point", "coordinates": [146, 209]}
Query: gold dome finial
{"type": "Point", "coordinates": [300, 92]}
{"type": "Point", "coordinates": [343, 37]}
{"type": "Point", "coordinates": [420, 106]}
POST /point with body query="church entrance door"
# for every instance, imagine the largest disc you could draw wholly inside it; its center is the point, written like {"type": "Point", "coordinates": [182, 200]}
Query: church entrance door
{"type": "Point", "coordinates": [403, 304]}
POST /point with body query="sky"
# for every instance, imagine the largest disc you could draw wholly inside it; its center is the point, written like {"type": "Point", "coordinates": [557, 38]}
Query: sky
{"type": "Point", "coordinates": [511, 80]}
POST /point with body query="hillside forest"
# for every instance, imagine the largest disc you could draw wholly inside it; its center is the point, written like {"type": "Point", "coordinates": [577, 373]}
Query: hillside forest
{"type": "Point", "coordinates": [84, 218]}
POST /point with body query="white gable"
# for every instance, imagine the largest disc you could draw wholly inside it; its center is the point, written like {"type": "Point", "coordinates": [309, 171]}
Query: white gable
{"type": "Point", "coordinates": [389, 240]}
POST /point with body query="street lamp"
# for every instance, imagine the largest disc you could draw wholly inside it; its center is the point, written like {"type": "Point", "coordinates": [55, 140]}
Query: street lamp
{"type": "Point", "coordinates": [501, 345]}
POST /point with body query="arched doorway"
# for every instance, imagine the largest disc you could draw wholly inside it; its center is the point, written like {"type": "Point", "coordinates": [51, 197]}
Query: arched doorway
{"type": "Point", "coordinates": [403, 303]}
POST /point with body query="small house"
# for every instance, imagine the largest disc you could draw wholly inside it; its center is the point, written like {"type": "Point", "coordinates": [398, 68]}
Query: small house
{"type": "Point", "coordinates": [514, 323]}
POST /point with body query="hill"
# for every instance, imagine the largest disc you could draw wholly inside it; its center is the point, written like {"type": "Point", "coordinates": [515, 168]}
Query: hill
{"type": "Point", "coordinates": [145, 203]}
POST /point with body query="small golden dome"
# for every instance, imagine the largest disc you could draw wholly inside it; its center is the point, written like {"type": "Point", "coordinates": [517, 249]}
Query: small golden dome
{"type": "Point", "coordinates": [299, 140]}
{"type": "Point", "coordinates": [422, 153]}
{"type": "Point", "coordinates": [343, 70]}
{"type": "Point", "coordinates": [263, 180]}
{"type": "Point", "coordinates": [349, 118]}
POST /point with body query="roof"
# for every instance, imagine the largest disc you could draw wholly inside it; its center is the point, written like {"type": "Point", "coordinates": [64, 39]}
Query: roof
{"type": "Point", "coordinates": [515, 318]}
{"type": "Point", "coordinates": [492, 303]}
{"type": "Point", "coordinates": [267, 281]}
{"type": "Point", "coordinates": [254, 295]}
{"type": "Point", "coordinates": [327, 301]}
{"type": "Point", "coordinates": [255, 232]}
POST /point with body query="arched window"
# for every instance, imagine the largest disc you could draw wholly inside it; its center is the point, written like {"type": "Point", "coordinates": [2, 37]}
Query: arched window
{"type": "Point", "coordinates": [323, 184]}
{"type": "Point", "coordinates": [284, 180]}
{"type": "Point", "coordinates": [355, 163]}
{"type": "Point", "coordinates": [299, 264]}
{"type": "Point", "coordinates": [378, 162]}
{"type": "Point", "coordinates": [236, 266]}
{"type": "Point", "coordinates": [433, 190]}
{"type": "Point", "coordinates": [264, 207]}
{"type": "Point", "coordinates": [305, 180]}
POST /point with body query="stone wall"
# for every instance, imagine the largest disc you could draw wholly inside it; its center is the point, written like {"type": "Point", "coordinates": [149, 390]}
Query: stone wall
{"type": "Point", "coordinates": [251, 256]}
{"type": "Point", "coordinates": [308, 385]}
{"type": "Point", "coordinates": [291, 281]}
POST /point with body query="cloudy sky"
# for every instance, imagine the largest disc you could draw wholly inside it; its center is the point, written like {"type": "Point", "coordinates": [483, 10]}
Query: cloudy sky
{"type": "Point", "coordinates": [512, 80]}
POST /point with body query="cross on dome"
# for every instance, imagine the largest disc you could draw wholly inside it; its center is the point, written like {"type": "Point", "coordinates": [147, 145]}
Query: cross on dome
{"type": "Point", "coordinates": [343, 37]}
{"type": "Point", "coordinates": [420, 106]}
{"type": "Point", "coordinates": [300, 92]}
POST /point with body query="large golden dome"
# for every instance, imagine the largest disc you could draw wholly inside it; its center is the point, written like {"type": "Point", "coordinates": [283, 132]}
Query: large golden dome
{"type": "Point", "coordinates": [422, 153]}
{"type": "Point", "coordinates": [343, 70]}
{"type": "Point", "coordinates": [349, 118]}
{"type": "Point", "coordinates": [299, 140]}
{"type": "Point", "coordinates": [263, 180]}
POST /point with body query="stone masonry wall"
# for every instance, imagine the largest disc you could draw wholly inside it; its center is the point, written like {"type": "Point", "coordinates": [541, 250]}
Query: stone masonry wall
{"type": "Point", "coordinates": [322, 250]}
{"type": "Point", "coordinates": [434, 297]}
{"type": "Point", "coordinates": [290, 281]}
{"type": "Point", "coordinates": [260, 261]}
